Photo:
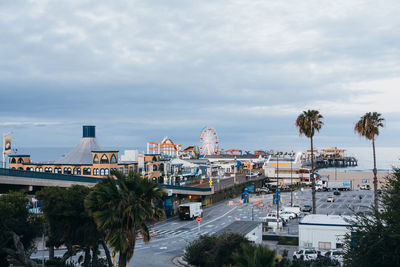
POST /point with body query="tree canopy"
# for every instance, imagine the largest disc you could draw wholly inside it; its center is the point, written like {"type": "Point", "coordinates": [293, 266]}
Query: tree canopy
{"type": "Point", "coordinates": [121, 207]}
{"type": "Point", "coordinates": [18, 228]}
{"type": "Point", "coordinates": [374, 238]}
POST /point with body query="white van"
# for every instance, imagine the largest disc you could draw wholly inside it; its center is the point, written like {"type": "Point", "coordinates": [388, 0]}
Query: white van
{"type": "Point", "coordinates": [190, 210]}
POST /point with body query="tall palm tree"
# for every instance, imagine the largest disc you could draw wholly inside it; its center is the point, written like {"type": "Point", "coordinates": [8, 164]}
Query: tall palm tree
{"type": "Point", "coordinates": [308, 122]}
{"type": "Point", "coordinates": [121, 207]}
{"type": "Point", "coordinates": [368, 126]}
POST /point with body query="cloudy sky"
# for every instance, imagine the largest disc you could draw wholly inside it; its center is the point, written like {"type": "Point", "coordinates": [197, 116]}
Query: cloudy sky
{"type": "Point", "coordinates": [142, 70]}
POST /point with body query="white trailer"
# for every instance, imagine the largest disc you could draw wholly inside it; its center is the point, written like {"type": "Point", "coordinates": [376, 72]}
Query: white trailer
{"type": "Point", "coordinates": [190, 210]}
{"type": "Point", "coordinates": [339, 185]}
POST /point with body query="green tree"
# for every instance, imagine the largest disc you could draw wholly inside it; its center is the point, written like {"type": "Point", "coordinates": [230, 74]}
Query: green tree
{"type": "Point", "coordinates": [18, 228]}
{"type": "Point", "coordinates": [214, 250]}
{"type": "Point", "coordinates": [374, 238]}
{"type": "Point", "coordinates": [121, 207]}
{"type": "Point", "coordinates": [368, 126]}
{"type": "Point", "coordinates": [308, 123]}
{"type": "Point", "coordinates": [70, 224]}
{"type": "Point", "coordinates": [254, 256]}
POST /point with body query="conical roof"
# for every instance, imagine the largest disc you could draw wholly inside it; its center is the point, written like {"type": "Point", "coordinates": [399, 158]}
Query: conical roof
{"type": "Point", "coordinates": [82, 153]}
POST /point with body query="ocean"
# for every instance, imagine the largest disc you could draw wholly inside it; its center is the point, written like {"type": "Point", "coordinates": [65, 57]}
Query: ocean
{"type": "Point", "coordinates": [387, 157]}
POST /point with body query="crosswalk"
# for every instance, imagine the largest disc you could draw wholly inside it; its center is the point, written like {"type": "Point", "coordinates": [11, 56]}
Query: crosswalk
{"type": "Point", "coordinates": [178, 232]}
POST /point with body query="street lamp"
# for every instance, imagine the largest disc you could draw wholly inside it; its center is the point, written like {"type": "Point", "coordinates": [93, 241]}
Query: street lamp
{"type": "Point", "coordinates": [291, 178]}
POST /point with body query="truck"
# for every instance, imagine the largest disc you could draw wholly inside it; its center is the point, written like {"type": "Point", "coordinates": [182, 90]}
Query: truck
{"type": "Point", "coordinates": [339, 185]}
{"type": "Point", "coordinates": [190, 210]}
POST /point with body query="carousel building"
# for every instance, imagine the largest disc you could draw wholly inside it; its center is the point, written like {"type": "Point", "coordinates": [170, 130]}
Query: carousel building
{"type": "Point", "coordinates": [86, 159]}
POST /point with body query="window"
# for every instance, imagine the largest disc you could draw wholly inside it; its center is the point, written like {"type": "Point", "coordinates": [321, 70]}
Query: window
{"type": "Point", "coordinates": [154, 158]}
{"type": "Point", "coordinates": [87, 171]}
{"type": "Point", "coordinates": [67, 170]}
{"type": "Point", "coordinates": [77, 171]}
{"type": "Point", "coordinates": [154, 168]}
{"type": "Point", "coordinates": [57, 170]}
{"type": "Point", "coordinates": [106, 172]}
{"type": "Point", "coordinates": [339, 245]}
{"type": "Point", "coordinates": [95, 171]}
{"type": "Point", "coordinates": [113, 159]}
{"type": "Point", "coordinates": [104, 159]}
{"type": "Point", "coordinates": [20, 160]}
{"type": "Point", "coordinates": [13, 160]}
{"type": "Point", "coordinates": [131, 169]}
{"type": "Point", "coordinates": [324, 245]}
{"type": "Point", "coordinates": [20, 168]}
{"type": "Point", "coordinates": [47, 169]}
{"type": "Point", "coordinates": [126, 170]}
{"type": "Point", "coordinates": [101, 172]}
{"type": "Point", "coordinates": [161, 168]}
{"type": "Point", "coordinates": [121, 170]}
{"type": "Point", "coordinates": [36, 169]}
{"type": "Point", "coordinates": [95, 159]}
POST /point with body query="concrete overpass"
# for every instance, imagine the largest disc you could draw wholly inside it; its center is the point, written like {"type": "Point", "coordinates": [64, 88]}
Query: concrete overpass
{"type": "Point", "coordinates": [24, 179]}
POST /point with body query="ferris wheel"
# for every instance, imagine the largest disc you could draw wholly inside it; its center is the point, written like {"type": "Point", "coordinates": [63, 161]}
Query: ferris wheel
{"type": "Point", "coordinates": [208, 141]}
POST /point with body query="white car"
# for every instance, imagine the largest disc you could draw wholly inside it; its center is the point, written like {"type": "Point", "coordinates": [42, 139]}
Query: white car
{"type": "Point", "coordinates": [273, 222]}
{"type": "Point", "coordinates": [305, 254]}
{"type": "Point", "coordinates": [331, 199]}
{"type": "Point", "coordinates": [335, 255]}
{"type": "Point", "coordinates": [287, 215]}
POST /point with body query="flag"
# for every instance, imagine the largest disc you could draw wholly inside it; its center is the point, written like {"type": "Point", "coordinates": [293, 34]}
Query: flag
{"type": "Point", "coordinates": [7, 145]}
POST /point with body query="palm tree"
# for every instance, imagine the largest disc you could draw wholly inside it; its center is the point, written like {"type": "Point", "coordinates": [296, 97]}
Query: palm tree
{"type": "Point", "coordinates": [120, 207]}
{"type": "Point", "coordinates": [368, 126]}
{"type": "Point", "coordinates": [308, 122]}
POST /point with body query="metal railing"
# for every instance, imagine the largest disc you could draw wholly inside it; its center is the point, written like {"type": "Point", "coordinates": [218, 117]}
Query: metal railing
{"type": "Point", "coordinates": [47, 176]}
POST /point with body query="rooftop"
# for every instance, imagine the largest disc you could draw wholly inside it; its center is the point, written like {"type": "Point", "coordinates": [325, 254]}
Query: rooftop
{"type": "Point", "coordinates": [240, 227]}
{"type": "Point", "coordinates": [329, 220]}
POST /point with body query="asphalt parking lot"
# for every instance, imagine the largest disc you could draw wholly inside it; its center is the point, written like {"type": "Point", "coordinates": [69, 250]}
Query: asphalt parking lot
{"type": "Point", "coordinates": [346, 203]}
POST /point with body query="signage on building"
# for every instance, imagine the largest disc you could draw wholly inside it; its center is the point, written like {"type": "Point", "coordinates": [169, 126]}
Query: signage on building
{"type": "Point", "coordinates": [169, 192]}
{"type": "Point", "coordinates": [7, 145]}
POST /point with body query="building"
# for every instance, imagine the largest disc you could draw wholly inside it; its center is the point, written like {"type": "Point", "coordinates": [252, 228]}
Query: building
{"type": "Point", "coordinates": [332, 153]}
{"type": "Point", "coordinates": [323, 232]}
{"type": "Point", "coordinates": [165, 148]}
{"type": "Point", "coordinates": [249, 229]}
{"type": "Point", "coordinates": [287, 169]}
{"type": "Point", "coordinates": [88, 158]}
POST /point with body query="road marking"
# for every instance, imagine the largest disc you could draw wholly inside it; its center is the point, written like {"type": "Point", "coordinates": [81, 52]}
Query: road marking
{"type": "Point", "coordinates": [163, 247]}
{"type": "Point", "coordinates": [213, 220]}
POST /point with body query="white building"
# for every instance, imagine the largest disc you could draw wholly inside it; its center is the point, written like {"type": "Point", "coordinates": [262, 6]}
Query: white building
{"type": "Point", "coordinates": [323, 232]}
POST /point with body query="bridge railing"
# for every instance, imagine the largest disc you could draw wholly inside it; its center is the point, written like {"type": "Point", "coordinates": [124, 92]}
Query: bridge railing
{"type": "Point", "coordinates": [48, 176]}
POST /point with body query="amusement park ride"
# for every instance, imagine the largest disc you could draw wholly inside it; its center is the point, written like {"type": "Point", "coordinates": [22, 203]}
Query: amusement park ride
{"type": "Point", "coordinates": [209, 145]}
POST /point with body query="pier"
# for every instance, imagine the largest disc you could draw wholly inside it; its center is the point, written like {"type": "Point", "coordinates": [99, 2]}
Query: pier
{"type": "Point", "coordinates": [321, 163]}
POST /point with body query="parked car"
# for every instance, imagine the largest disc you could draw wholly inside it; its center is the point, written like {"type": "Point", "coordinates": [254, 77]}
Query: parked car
{"type": "Point", "coordinates": [335, 255]}
{"type": "Point", "coordinates": [295, 209]}
{"type": "Point", "coordinates": [306, 208]}
{"type": "Point", "coordinates": [365, 187]}
{"type": "Point", "coordinates": [263, 190]}
{"type": "Point", "coordinates": [287, 215]}
{"type": "Point", "coordinates": [331, 199]}
{"type": "Point", "coordinates": [336, 193]}
{"type": "Point", "coordinates": [272, 215]}
{"type": "Point", "coordinates": [305, 254]}
{"type": "Point", "coordinates": [273, 222]}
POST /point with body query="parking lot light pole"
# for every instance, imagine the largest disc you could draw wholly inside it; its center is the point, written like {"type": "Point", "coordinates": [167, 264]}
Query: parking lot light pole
{"type": "Point", "coordinates": [291, 179]}
{"type": "Point", "coordinates": [276, 190]}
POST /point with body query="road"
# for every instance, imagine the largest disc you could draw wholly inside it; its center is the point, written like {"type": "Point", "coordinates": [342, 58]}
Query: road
{"type": "Point", "coordinates": [170, 237]}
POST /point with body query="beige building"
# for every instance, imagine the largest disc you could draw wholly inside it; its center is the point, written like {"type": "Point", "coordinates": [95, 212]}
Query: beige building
{"type": "Point", "coordinates": [86, 159]}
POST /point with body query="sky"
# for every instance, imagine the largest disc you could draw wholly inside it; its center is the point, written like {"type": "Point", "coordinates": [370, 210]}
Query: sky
{"type": "Point", "coordinates": [143, 70]}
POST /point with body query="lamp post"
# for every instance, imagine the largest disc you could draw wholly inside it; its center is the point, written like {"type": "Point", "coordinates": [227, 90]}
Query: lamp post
{"type": "Point", "coordinates": [291, 178]}
{"type": "Point", "coordinates": [276, 190]}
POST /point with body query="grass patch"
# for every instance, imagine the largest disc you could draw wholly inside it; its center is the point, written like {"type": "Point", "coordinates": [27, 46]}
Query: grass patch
{"type": "Point", "coordinates": [289, 241]}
